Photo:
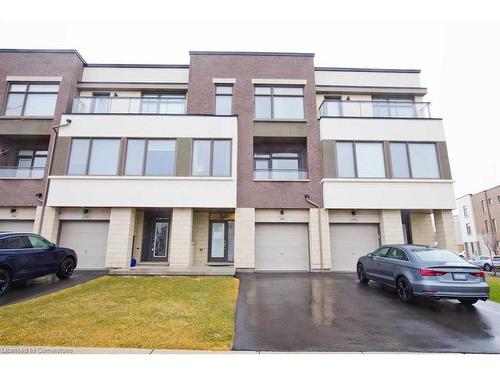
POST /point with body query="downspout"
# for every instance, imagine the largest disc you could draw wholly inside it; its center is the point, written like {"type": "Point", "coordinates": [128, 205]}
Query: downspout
{"type": "Point", "coordinates": [43, 199]}
{"type": "Point", "coordinates": [308, 200]}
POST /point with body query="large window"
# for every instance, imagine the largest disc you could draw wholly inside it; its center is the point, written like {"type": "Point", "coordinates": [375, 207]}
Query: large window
{"type": "Point", "coordinates": [279, 102]}
{"type": "Point", "coordinates": [223, 99]}
{"type": "Point", "coordinates": [211, 157]}
{"type": "Point", "coordinates": [393, 107]}
{"type": "Point", "coordinates": [278, 165]}
{"type": "Point", "coordinates": [31, 163]}
{"type": "Point", "coordinates": [414, 160]}
{"type": "Point", "coordinates": [31, 99]}
{"type": "Point", "coordinates": [163, 103]}
{"type": "Point", "coordinates": [96, 156]}
{"type": "Point", "coordinates": [150, 157]}
{"type": "Point", "coordinates": [360, 159]}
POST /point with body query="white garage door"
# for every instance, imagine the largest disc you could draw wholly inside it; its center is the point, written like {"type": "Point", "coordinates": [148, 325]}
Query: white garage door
{"type": "Point", "coordinates": [281, 247]}
{"type": "Point", "coordinates": [16, 225]}
{"type": "Point", "coordinates": [349, 242]}
{"type": "Point", "coordinates": [89, 239]}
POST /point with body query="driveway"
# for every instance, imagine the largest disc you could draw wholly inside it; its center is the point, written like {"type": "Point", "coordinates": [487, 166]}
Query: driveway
{"type": "Point", "coordinates": [45, 285]}
{"type": "Point", "coordinates": [333, 312]}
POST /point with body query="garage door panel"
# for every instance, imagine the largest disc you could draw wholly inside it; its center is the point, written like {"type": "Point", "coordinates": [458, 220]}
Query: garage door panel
{"type": "Point", "coordinates": [88, 239]}
{"type": "Point", "coordinates": [281, 247]}
{"type": "Point", "coordinates": [351, 241]}
{"type": "Point", "coordinates": [16, 225]}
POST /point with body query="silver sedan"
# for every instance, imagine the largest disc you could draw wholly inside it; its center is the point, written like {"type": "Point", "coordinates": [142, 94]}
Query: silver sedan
{"type": "Point", "coordinates": [424, 271]}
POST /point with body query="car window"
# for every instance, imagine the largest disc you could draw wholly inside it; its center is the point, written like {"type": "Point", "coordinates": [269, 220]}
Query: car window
{"type": "Point", "coordinates": [437, 255]}
{"type": "Point", "coordinates": [38, 242]}
{"type": "Point", "coordinates": [17, 242]}
{"type": "Point", "coordinates": [484, 258]}
{"type": "Point", "coordinates": [397, 254]}
{"type": "Point", "coordinates": [381, 252]}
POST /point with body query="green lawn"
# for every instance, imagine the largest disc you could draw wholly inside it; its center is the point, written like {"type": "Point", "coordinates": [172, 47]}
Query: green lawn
{"type": "Point", "coordinates": [494, 283]}
{"type": "Point", "coordinates": [136, 312]}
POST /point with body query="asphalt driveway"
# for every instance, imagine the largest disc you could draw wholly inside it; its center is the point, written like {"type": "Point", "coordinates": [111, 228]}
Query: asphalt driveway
{"type": "Point", "coordinates": [45, 285]}
{"type": "Point", "coordinates": [333, 312]}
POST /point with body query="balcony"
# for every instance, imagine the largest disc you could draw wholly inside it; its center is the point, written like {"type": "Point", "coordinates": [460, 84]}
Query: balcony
{"type": "Point", "coordinates": [171, 104]}
{"type": "Point", "coordinates": [375, 109]}
{"type": "Point", "coordinates": [22, 172]}
{"type": "Point", "coordinates": [280, 174]}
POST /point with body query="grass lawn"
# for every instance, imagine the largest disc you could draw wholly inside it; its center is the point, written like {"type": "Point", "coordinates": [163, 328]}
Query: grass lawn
{"type": "Point", "coordinates": [494, 283]}
{"type": "Point", "coordinates": [135, 312]}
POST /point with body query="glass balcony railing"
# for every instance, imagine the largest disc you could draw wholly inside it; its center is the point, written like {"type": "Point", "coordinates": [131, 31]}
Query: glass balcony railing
{"type": "Point", "coordinates": [280, 174]}
{"type": "Point", "coordinates": [21, 172]}
{"type": "Point", "coordinates": [172, 104]}
{"type": "Point", "coordinates": [375, 109]}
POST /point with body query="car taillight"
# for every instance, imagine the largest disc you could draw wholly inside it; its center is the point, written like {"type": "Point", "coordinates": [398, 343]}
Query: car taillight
{"type": "Point", "coordinates": [426, 272]}
{"type": "Point", "coordinates": [478, 274]}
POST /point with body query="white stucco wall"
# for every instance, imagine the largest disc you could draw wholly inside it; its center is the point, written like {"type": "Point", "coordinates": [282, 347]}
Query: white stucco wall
{"type": "Point", "coordinates": [135, 74]}
{"type": "Point", "coordinates": [350, 78]}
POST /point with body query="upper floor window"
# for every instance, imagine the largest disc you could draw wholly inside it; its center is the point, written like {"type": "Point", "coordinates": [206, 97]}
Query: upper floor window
{"type": "Point", "coordinates": [393, 106]}
{"type": "Point", "coordinates": [483, 206]}
{"type": "Point", "coordinates": [487, 227]}
{"type": "Point", "coordinates": [100, 102]}
{"type": "Point", "coordinates": [163, 103]}
{"type": "Point", "coordinates": [31, 99]}
{"type": "Point", "coordinates": [211, 157]}
{"type": "Point", "coordinates": [468, 229]}
{"type": "Point", "coordinates": [414, 160]}
{"type": "Point", "coordinates": [223, 99]}
{"type": "Point", "coordinates": [360, 159]}
{"type": "Point", "coordinates": [490, 201]}
{"type": "Point", "coordinates": [466, 211]}
{"type": "Point", "coordinates": [94, 156]}
{"type": "Point", "coordinates": [279, 102]}
{"type": "Point", "coordinates": [150, 157]}
{"type": "Point", "coordinates": [494, 225]}
{"type": "Point", "coordinates": [31, 163]}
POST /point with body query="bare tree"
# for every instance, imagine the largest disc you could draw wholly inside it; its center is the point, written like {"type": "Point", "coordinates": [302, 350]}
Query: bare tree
{"type": "Point", "coordinates": [490, 241]}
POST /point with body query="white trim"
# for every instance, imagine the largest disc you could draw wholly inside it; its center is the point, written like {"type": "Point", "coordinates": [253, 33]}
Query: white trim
{"type": "Point", "coordinates": [33, 79]}
{"type": "Point", "coordinates": [231, 81]}
{"type": "Point", "coordinates": [265, 81]}
{"type": "Point", "coordinates": [177, 178]}
{"type": "Point", "coordinates": [385, 180]}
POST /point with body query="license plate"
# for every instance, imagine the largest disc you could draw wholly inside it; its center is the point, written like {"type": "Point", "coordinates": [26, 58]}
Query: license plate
{"type": "Point", "coordinates": [460, 276]}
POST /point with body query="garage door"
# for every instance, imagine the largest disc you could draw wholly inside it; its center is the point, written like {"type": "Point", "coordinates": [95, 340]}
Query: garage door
{"type": "Point", "coordinates": [89, 239]}
{"type": "Point", "coordinates": [349, 242]}
{"type": "Point", "coordinates": [281, 247]}
{"type": "Point", "coordinates": [16, 225]}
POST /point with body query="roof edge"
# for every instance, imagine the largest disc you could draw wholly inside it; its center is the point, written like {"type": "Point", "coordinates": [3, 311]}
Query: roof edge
{"type": "Point", "coordinates": [171, 66]}
{"type": "Point", "coordinates": [249, 53]}
{"type": "Point", "coordinates": [371, 70]}
{"type": "Point", "coordinates": [43, 50]}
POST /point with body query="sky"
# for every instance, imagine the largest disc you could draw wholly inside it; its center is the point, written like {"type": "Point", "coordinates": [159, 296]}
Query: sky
{"type": "Point", "coordinates": [455, 44]}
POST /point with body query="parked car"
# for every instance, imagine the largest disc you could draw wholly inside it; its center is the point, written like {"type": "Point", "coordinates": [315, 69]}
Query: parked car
{"type": "Point", "coordinates": [424, 271]}
{"type": "Point", "coordinates": [484, 261]}
{"type": "Point", "coordinates": [25, 256]}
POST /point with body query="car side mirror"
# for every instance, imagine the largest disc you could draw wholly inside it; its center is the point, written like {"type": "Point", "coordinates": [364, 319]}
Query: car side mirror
{"type": "Point", "coordinates": [370, 255]}
{"type": "Point", "coordinates": [52, 246]}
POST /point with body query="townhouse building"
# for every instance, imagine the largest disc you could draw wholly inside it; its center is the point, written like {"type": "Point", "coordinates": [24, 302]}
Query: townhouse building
{"type": "Point", "coordinates": [246, 161]}
{"type": "Point", "coordinates": [479, 218]}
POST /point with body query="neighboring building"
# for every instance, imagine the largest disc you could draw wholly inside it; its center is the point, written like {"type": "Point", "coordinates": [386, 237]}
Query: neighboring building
{"type": "Point", "coordinates": [245, 161]}
{"type": "Point", "coordinates": [479, 216]}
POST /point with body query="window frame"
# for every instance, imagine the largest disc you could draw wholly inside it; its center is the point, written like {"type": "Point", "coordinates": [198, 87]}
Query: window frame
{"type": "Point", "coordinates": [391, 102]}
{"type": "Point", "coordinates": [272, 95]}
{"type": "Point", "coordinates": [408, 155]}
{"type": "Point", "coordinates": [465, 209]}
{"type": "Point", "coordinates": [89, 153]}
{"type": "Point", "coordinates": [145, 156]}
{"type": "Point", "coordinates": [26, 92]}
{"type": "Point", "coordinates": [391, 249]}
{"type": "Point", "coordinates": [354, 155]}
{"type": "Point", "coordinates": [228, 95]}
{"type": "Point", "coordinates": [158, 96]}
{"type": "Point", "coordinates": [468, 229]}
{"type": "Point", "coordinates": [211, 159]}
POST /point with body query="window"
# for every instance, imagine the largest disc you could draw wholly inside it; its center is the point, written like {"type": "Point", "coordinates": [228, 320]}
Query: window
{"type": "Point", "coordinates": [163, 103]}
{"type": "Point", "coordinates": [153, 157]}
{"type": "Point", "coordinates": [31, 99]}
{"type": "Point", "coordinates": [494, 225]}
{"type": "Point", "coordinates": [466, 211]}
{"type": "Point", "coordinates": [223, 99]}
{"type": "Point", "coordinates": [498, 198]}
{"type": "Point", "coordinates": [31, 163]}
{"type": "Point", "coordinates": [487, 228]}
{"type": "Point", "coordinates": [468, 229]}
{"type": "Point", "coordinates": [332, 107]}
{"type": "Point", "coordinates": [397, 254]}
{"type": "Point", "coordinates": [490, 201]}
{"type": "Point", "coordinates": [483, 206]}
{"type": "Point", "coordinates": [360, 159]}
{"type": "Point", "coordinates": [17, 242]}
{"type": "Point", "coordinates": [279, 165]}
{"type": "Point", "coordinates": [100, 102]}
{"type": "Point", "coordinates": [211, 157]}
{"type": "Point", "coordinates": [38, 242]}
{"type": "Point", "coordinates": [393, 107]}
{"type": "Point", "coordinates": [414, 160]}
{"type": "Point", "coordinates": [279, 102]}
{"type": "Point", "coordinates": [381, 252]}
{"type": "Point", "coordinates": [96, 156]}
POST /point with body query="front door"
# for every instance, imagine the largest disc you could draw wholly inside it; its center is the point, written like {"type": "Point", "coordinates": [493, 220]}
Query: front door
{"type": "Point", "coordinates": [160, 241]}
{"type": "Point", "coordinates": [221, 241]}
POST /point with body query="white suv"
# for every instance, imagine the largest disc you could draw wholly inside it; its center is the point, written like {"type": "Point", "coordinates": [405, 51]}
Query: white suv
{"type": "Point", "coordinates": [484, 261]}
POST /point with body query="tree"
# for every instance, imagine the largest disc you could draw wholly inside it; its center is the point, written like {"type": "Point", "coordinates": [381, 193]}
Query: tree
{"type": "Point", "coordinates": [490, 241]}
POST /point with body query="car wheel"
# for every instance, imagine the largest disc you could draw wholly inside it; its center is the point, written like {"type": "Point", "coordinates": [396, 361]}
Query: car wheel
{"type": "Point", "coordinates": [403, 288]}
{"type": "Point", "coordinates": [362, 274]}
{"type": "Point", "coordinates": [487, 267]}
{"type": "Point", "coordinates": [4, 281]}
{"type": "Point", "coordinates": [66, 269]}
{"type": "Point", "coordinates": [468, 301]}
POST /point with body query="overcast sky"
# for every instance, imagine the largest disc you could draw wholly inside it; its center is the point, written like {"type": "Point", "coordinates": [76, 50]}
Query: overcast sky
{"type": "Point", "coordinates": [455, 44]}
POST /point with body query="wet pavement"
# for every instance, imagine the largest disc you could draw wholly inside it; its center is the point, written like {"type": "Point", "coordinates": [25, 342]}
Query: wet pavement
{"type": "Point", "coordinates": [333, 312]}
{"type": "Point", "coordinates": [44, 285]}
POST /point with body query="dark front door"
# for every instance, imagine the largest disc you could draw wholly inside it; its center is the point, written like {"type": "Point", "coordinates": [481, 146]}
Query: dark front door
{"type": "Point", "coordinates": [221, 241]}
{"type": "Point", "coordinates": [155, 239]}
